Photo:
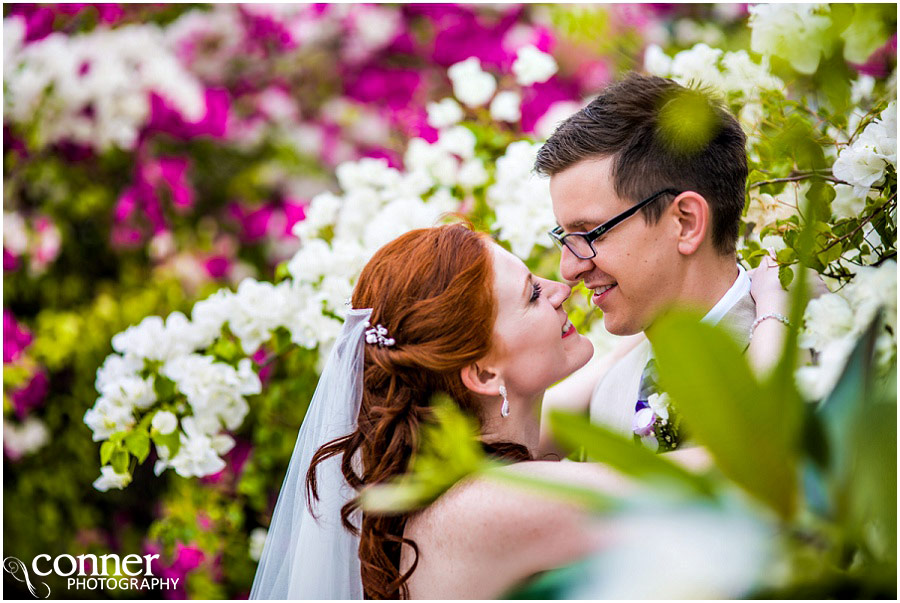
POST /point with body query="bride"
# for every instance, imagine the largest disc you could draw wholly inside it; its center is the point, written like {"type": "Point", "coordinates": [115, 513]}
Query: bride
{"type": "Point", "coordinates": [438, 310]}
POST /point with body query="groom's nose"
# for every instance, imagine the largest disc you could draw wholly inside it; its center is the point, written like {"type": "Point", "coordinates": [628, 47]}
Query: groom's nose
{"type": "Point", "coordinates": [572, 268]}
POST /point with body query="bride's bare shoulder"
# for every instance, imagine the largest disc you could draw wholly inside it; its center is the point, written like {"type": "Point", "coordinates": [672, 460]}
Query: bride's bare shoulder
{"type": "Point", "coordinates": [511, 511]}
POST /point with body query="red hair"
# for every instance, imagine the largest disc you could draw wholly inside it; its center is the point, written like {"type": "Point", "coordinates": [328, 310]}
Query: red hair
{"type": "Point", "coordinates": [433, 290]}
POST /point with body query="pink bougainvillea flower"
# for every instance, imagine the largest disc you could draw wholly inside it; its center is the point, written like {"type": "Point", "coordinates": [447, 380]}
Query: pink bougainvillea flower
{"type": "Point", "coordinates": [166, 119]}
{"type": "Point", "coordinates": [254, 222]}
{"type": "Point", "coordinates": [538, 98]}
{"type": "Point", "coordinates": [217, 266]}
{"type": "Point", "coordinates": [394, 159]}
{"type": "Point", "coordinates": [461, 34]}
{"type": "Point", "coordinates": [881, 62]}
{"type": "Point", "coordinates": [294, 211]}
{"type": "Point", "coordinates": [30, 396]}
{"type": "Point", "coordinates": [265, 32]}
{"type": "Point", "coordinates": [15, 337]}
{"type": "Point", "coordinates": [10, 261]}
{"type": "Point", "coordinates": [173, 174]}
{"type": "Point", "coordinates": [38, 20]}
{"type": "Point", "coordinates": [107, 13]}
{"type": "Point", "coordinates": [390, 87]}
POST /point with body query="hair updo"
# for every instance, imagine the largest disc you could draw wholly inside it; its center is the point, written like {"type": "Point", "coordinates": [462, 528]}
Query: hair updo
{"type": "Point", "coordinates": [432, 289]}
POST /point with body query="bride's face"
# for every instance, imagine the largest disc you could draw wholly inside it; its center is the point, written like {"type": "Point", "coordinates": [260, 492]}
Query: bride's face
{"type": "Point", "coordinates": [535, 345]}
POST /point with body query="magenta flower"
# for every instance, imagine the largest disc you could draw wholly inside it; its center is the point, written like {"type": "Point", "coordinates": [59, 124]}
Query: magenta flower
{"type": "Point", "coordinates": [38, 20]}
{"type": "Point", "coordinates": [294, 211]}
{"type": "Point", "coordinates": [217, 266]}
{"type": "Point", "coordinates": [265, 33]}
{"type": "Point", "coordinates": [15, 337]}
{"type": "Point", "coordinates": [165, 118]}
{"type": "Point", "coordinates": [538, 98]}
{"type": "Point", "coordinates": [10, 261]}
{"type": "Point", "coordinates": [880, 62]}
{"type": "Point", "coordinates": [461, 34]}
{"type": "Point", "coordinates": [31, 396]}
{"type": "Point", "coordinates": [393, 88]}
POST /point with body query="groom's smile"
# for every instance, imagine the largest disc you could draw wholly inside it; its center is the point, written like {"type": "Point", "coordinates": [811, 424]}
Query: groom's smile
{"type": "Point", "coordinates": [634, 268]}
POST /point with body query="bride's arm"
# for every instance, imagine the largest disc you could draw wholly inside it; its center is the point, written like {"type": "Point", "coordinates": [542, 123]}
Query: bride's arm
{"type": "Point", "coordinates": [574, 392]}
{"type": "Point", "coordinates": [767, 338]}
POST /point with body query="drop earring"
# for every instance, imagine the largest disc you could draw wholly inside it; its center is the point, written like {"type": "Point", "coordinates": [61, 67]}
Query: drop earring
{"type": "Point", "coordinates": [504, 408]}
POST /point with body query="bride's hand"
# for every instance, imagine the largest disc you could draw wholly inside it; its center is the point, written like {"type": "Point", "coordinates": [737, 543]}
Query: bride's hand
{"type": "Point", "coordinates": [766, 290]}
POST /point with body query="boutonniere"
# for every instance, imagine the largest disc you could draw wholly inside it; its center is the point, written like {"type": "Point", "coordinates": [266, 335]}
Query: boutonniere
{"type": "Point", "coordinates": [656, 424]}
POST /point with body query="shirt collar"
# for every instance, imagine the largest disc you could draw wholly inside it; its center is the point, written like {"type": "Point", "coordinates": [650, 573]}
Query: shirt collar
{"type": "Point", "coordinates": [739, 289]}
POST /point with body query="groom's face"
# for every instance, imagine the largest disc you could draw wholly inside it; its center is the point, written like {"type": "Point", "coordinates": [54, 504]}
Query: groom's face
{"type": "Point", "coordinates": [635, 271]}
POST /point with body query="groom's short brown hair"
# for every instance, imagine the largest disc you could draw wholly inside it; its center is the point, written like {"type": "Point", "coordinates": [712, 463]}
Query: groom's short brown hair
{"type": "Point", "coordinates": [624, 122]}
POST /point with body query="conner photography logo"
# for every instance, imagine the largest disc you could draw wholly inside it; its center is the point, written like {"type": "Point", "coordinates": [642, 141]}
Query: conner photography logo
{"type": "Point", "coordinates": [88, 572]}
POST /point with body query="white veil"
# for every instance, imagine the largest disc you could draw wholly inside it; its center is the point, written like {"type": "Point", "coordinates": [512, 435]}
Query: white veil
{"type": "Point", "coordinates": [308, 557]}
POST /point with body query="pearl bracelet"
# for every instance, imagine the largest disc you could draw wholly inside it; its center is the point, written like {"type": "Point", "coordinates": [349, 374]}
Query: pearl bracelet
{"type": "Point", "coordinates": [779, 317]}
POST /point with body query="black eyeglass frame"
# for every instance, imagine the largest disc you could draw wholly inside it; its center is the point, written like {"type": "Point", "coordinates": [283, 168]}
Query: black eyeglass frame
{"type": "Point", "coordinates": [560, 239]}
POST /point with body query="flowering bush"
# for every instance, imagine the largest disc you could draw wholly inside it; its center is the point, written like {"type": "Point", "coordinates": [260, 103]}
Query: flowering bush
{"type": "Point", "coordinates": [232, 168]}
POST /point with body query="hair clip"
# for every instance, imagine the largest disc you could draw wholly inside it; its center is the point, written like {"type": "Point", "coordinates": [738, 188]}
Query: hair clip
{"type": "Point", "coordinates": [378, 335]}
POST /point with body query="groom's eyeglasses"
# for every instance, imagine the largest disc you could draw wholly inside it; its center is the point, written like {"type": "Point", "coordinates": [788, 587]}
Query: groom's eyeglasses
{"type": "Point", "coordinates": [582, 243]}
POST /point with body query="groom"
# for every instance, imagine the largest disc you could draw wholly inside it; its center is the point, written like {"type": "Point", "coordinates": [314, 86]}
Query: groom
{"type": "Point", "coordinates": [658, 214]}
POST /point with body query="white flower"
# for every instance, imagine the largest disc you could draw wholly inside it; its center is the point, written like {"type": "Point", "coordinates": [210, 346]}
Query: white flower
{"type": "Point", "coordinates": [846, 203]}
{"type": "Point", "coordinates": [533, 66]}
{"type": "Point", "coordinates": [111, 71]}
{"type": "Point", "coordinates": [555, 114]}
{"type": "Point", "coordinates": [257, 309]}
{"type": "Point", "coordinates": [659, 403]}
{"type": "Point", "coordinates": [214, 390]}
{"type": "Point", "coordinates": [209, 315]}
{"type": "Point", "coordinates": [656, 61]}
{"type": "Point", "coordinates": [130, 392]}
{"type": "Point", "coordinates": [110, 479]}
{"type": "Point", "coordinates": [506, 106]}
{"type": "Point", "coordinates": [155, 340]}
{"type": "Point", "coordinates": [458, 140]}
{"type": "Point", "coordinates": [764, 209]}
{"type": "Point", "coordinates": [521, 200]}
{"type": "Point", "coordinates": [471, 85]}
{"type": "Point", "coordinates": [698, 65]}
{"type": "Point", "coordinates": [744, 76]}
{"type": "Point", "coordinates": [257, 542]}
{"type": "Point", "coordinates": [873, 288]}
{"type": "Point", "coordinates": [859, 166]}
{"type": "Point", "coordinates": [827, 318]}
{"type": "Point", "coordinates": [15, 233]}
{"type": "Point", "coordinates": [197, 455]}
{"type": "Point", "coordinates": [862, 88]}
{"type": "Point", "coordinates": [797, 33]}
{"type": "Point", "coordinates": [816, 382]}
{"type": "Point", "coordinates": [434, 161]}
{"type": "Point", "coordinates": [164, 422]}
{"type": "Point", "coordinates": [472, 174]}
{"type": "Point", "coordinates": [107, 418]}
{"type": "Point", "coordinates": [444, 113]}
{"type": "Point", "coordinates": [24, 439]}
{"type": "Point", "coordinates": [116, 368]}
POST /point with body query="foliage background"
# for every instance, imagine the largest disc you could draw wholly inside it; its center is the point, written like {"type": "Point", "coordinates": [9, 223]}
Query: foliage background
{"type": "Point", "coordinates": [156, 153]}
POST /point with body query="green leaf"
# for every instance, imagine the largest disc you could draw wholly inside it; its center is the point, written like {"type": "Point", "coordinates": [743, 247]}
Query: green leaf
{"type": "Point", "coordinates": [605, 446]}
{"type": "Point", "coordinates": [831, 253]}
{"type": "Point", "coordinates": [106, 450]}
{"type": "Point", "coordinates": [282, 272]}
{"type": "Point", "coordinates": [119, 461]}
{"type": "Point", "coordinates": [750, 430]}
{"type": "Point", "coordinates": [172, 441]}
{"type": "Point", "coordinates": [138, 444]}
{"type": "Point", "coordinates": [786, 256]}
{"type": "Point", "coordinates": [785, 276]}
{"type": "Point", "coordinates": [164, 388]}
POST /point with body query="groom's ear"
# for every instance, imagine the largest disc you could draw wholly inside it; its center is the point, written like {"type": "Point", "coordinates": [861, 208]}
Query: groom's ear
{"type": "Point", "coordinates": [480, 379]}
{"type": "Point", "coordinates": [691, 212]}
